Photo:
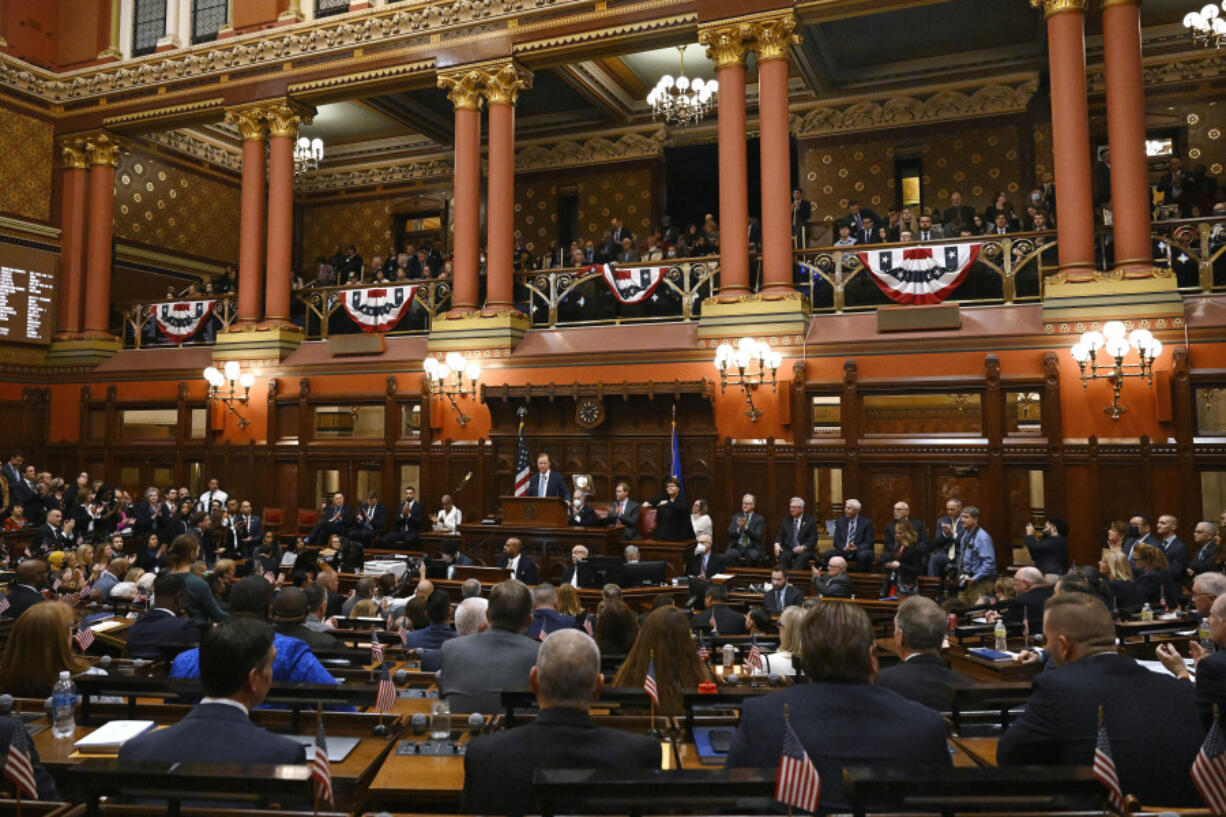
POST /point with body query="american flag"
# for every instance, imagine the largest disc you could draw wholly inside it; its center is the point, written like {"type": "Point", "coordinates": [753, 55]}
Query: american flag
{"type": "Point", "coordinates": [754, 659]}
{"type": "Point", "coordinates": [403, 632]}
{"type": "Point", "coordinates": [55, 585]}
{"type": "Point", "coordinates": [385, 695]}
{"type": "Point", "coordinates": [1209, 769]}
{"type": "Point", "coordinates": [587, 625]}
{"type": "Point", "coordinates": [376, 649]}
{"type": "Point", "coordinates": [4, 603]}
{"type": "Point", "coordinates": [17, 766]}
{"type": "Point", "coordinates": [84, 591]}
{"type": "Point", "coordinates": [84, 637]}
{"type": "Point", "coordinates": [704, 655]}
{"type": "Point", "coordinates": [799, 785]}
{"type": "Point", "coordinates": [523, 469]}
{"type": "Point", "coordinates": [542, 635]}
{"type": "Point", "coordinates": [649, 681]}
{"type": "Point", "coordinates": [321, 770]}
{"type": "Point", "coordinates": [1104, 765]}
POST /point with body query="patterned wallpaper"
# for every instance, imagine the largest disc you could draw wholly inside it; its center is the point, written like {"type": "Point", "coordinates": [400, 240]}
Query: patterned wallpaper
{"type": "Point", "coordinates": [625, 191]}
{"type": "Point", "coordinates": [367, 224]}
{"type": "Point", "coordinates": [975, 162]}
{"type": "Point", "coordinates": [1042, 150]}
{"type": "Point", "coordinates": [1205, 124]}
{"type": "Point", "coordinates": [164, 206]}
{"type": "Point", "coordinates": [25, 165]}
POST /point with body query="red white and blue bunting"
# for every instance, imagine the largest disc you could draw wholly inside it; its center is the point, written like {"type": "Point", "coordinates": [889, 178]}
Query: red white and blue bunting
{"type": "Point", "coordinates": [179, 321]}
{"type": "Point", "coordinates": [920, 275]}
{"type": "Point", "coordinates": [378, 309]}
{"type": "Point", "coordinates": [631, 285]}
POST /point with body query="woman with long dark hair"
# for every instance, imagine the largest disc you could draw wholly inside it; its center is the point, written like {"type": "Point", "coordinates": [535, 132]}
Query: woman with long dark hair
{"type": "Point", "coordinates": [665, 639]}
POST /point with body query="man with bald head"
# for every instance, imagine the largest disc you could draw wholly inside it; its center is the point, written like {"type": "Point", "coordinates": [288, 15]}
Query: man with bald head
{"type": "Point", "coordinates": [27, 588]}
{"type": "Point", "coordinates": [498, 768]}
{"type": "Point", "coordinates": [1150, 718]}
{"type": "Point", "coordinates": [1033, 591]}
{"type": "Point", "coordinates": [835, 583]}
{"type": "Point", "coordinates": [513, 559]}
{"type": "Point", "coordinates": [1205, 590]}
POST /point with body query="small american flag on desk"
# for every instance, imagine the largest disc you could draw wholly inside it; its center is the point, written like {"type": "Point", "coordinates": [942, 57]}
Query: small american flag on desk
{"type": "Point", "coordinates": [1104, 765]}
{"type": "Point", "coordinates": [17, 765]}
{"type": "Point", "coordinates": [1209, 768]}
{"type": "Point", "coordinates": [376, 649]}
{"type": "Point", "coordinates": [385, 695]}
{"type": "Point", "coordinates": [799, 785]}
{"type": "Point", "coordinates": [321, 770]}
{"type": "Point", "coordinates": [84, 637]}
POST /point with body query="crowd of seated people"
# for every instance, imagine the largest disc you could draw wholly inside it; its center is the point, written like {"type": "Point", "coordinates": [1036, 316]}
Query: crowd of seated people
{"type": "Point", "coordinates": [346, 266]}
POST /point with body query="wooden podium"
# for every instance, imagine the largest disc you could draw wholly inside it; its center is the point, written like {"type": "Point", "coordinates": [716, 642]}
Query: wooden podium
{"type": "Point", "coordinates": [539, 511]}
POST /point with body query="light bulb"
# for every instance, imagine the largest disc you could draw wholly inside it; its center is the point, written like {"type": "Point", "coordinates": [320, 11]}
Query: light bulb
{"type": "Point", "coordinates": [1093, 340]}
{"type": "Point", "coordinates": [430, 365]}
{"type": "Point", "coordinates": [247, 380]}
{"type": "Point", "coordinates": [232, 370]}
{"type": "Point", "coordinates": [772, 360]}
{"type": "Point", "coordinates": [683, 82]}
{"type": "Point", "coordinates": [741, 359]}
{"type": "Point", "coordinates": [442, 372]}
{"type": "Point", "coordinates": [666, 81]}
{"type": "Point", "coordinates": [747, 345]}
{"type": "Point", "coordinates": [713, 86]}
{"type": "Point", "coordinates": [1080, 352]}
{"type": "Point", "coordinates": [473, 370]}
{"type": "Point", "coordinates": [304, 142]}
{"type": "Point", "coordinates": [1139, 339]}
{"type": "Point", "coordinates": [697, 84]}
{"type": "Point", "coordinates": [1117, 347]}
{"type": "Point", "coordinates": [455, 360]}
{"type": "Point", "coordinates": [1155, 348]}
{"type": "Point", "coordinates": [723, 355]}
{"type": "Point", "coordinates": [1191, 20]}
{"type": "Point", "coordinates": [210, 372]}
{"type": "Point", "coordinates": [1209, 12]}
{"type": "Point", "coordinates": [1114, 329]}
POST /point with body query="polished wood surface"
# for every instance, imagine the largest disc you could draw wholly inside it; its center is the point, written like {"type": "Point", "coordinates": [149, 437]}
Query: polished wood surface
{"type": "Point", "coordinates": [541, 511]}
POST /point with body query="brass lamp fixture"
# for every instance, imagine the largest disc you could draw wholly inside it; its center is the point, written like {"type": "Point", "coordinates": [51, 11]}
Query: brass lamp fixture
{"type": "Point", "coordinates": [1116, 346]}
{"type": "Point", "coordinates": [749, 364]}
{"type": "Point", "coordinates": [224, 385]}
{"type": "Point", "coordinates": [447, 378]}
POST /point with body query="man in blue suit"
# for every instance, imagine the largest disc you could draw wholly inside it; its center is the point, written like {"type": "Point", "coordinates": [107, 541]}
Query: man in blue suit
{"type": "Point", "coordinates": [853, 538]}
{"type": "Point", "coordinates": [1176, 551]}
{"type": "Point", "coordinates": [841, 717]}
{"type": "Point", "coordinates": [1150, 719]}
{"type": "Point", "coordinates": [236, 659]}
{"type": "Point", "coordinates": [163, 633]}
{"type": "Point", "coordinates": [438, 609]}
{"type": "Point", "coordinates": [546, 481]}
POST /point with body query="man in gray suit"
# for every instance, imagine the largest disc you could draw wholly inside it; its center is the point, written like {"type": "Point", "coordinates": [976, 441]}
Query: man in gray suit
{"type": "Point", "coordinates": [476, 668]}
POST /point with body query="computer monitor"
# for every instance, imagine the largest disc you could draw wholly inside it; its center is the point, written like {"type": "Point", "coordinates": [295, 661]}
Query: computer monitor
{"type": "Point", "coordinates": [637, 574]}
{"type": "Point", "coordinates": [598, 571]}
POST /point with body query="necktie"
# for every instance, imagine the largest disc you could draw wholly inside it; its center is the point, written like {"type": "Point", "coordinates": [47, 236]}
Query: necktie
{"type": "Point", "coordinates": [779, 599]}
{"type": "Point", "coordinates": [796, 532]}
{"type": "Point", "coordinates": [543, 483]}
{"type": "Point", "coordinates": [851, 532]}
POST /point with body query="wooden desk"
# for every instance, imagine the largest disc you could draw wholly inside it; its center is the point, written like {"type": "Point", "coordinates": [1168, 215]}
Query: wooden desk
{"type": "Point", "coordinates": [404, 781]}
{"type": "Point", "coordinates": [989, 672]}
{"type": "Point", "coordinates": [980, 750]}
{"type": "Point", "coordinates": [549, 547]}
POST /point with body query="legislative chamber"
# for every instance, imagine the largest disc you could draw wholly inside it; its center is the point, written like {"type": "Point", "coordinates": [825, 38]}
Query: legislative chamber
{"type": "Point", "coordinates": [422, 407]}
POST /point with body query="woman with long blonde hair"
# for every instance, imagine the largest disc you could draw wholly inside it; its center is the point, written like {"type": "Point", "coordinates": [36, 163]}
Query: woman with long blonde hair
{"type": "Point", "coordinates": [664, 637]}
{"type": "Point", "coordinates": [38, 649]}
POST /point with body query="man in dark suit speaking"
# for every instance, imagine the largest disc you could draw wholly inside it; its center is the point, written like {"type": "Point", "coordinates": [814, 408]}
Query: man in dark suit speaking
{"type": "Point", "coordinates": [236, 671]}
{"type": "Point", "coordinates": [841, 717]}
{"type": "Point", "coordinates": [1151, 719]}
{"type": "Point", "coordinates": [546, 481]}
{"type": "Point", "coordinates": [498, 768]}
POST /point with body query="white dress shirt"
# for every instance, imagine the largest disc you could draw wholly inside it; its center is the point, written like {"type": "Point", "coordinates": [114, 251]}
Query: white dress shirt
{"type": "Point", "coordinates": [448, 521]}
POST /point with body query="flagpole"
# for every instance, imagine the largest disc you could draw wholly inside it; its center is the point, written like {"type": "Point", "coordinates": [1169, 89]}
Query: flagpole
{"type": "Point", "coordinates": [21, 725]}
{"type": "Point", "coordinates": [652, 658]}
{"type": "Point", "coordinates": [787, 719]}
{"type": "Point", "coordinates": [319, 717]}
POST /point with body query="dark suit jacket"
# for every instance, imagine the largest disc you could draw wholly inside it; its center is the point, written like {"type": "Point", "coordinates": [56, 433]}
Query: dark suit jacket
{"type": "Point", "coordinates": [476, 668]}
{"type": "Point", "coordinates": [1127, 595]}
{"type": "Point", "coordinates": [158, 634]}
{"type": "Point", "coordinates": [582, 517]}
{"type": "Point", "coordinates": [1029, 604]}
{"type": "Point", "coordinates": [146, 516]}
{"type": "Point", "coordinates": [1050, 553]}
{"type": "Point", "coordinates": [250, 533]}
{"type": "Point", "coordinates": [921, 535]}
{"type": "Point", "coordinates": [1178, 558]}
{"type": "Point", "coordinates": [1149, 539]}
{"type": "Point", "coordinates": [1211, 686]}
{"type": "Point", "coordinates": [378, 517]}
{"type": "Point", "coordinates": [863, 537]}
{"type": "Point", "coordinates": [840, 725]}
{"type": "Point", "coordinates": [525, 571]}
{"type": "Point", "coordinates": [672, 519]}
{"type": "Point", "coordinates": [411, 522]}
{"type": "Point", "coordinates": [1153, 584]}
{"type": "Point", "coordinates": [715, 564]}
{"type": "Point", "coordinates": [1151, 720]}
{"type": "Point", "coordinates": [47, 539]}
{"type": "Point", "coordinates": [924, 679]}
{"type": "Point", "coordinates": [753, 531]}
{"type": "Point", "coordinates": [209, 732]}
{"type": "Point", "coordinates": [21, 598]}
{"type": "Point", "coordinates": [838, 587]}
{"type": "Point", "coordinates": [341, 517]}
{"type": "Point", "coordinates": [628, 518]}
{"type": "Point", "coordinates": [313, 638]}
{"type": "Point", "coordinates": [42, 779]}
{"type": "Point", "coordinates": [1205, 559]}
{"type": "Point", "coordinates": [791, 597]}
{"type": "Point", "coordinates": [549, 621]}
{"type": "Point", "coordinates": [787, 536]}
{"type": "Point", "coordinates": [584, 579]}
{"type": "Point", "coordinates": [555, 486]}
{"type": "Point", "coordinates": [498, 768]}
{"type": "Point", "coordinates": [728, 621]}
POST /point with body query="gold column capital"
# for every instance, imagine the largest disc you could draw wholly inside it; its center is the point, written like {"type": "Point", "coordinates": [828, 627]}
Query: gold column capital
{"type": "Point", "coordinates": [1103, 5]}
{"type": "Point", "coordinates": [1053, 7]}
{"type": "Point", "coordinates": [503, 84]}
{"type": "Point", "coordinates": [250, 122]}
{"type": "Point", "coordinates": [774, 36]}
{"type": "Point", "coordinates": [726, 43]}
{"type": "Point", "coordinates": [102, 149]}
{"type": "Point", "coordinates": [465, 87]}
{"type": "Point", "coordinates": [284, 116]}
{"type": "Point", "coordinates": [75, 152]}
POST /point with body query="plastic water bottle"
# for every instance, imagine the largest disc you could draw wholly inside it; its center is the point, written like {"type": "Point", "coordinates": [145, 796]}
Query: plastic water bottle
{"type": "Point", "coordinates": [1147, 612]}
{"type": "Point", "coordinates": [1205, 636]}
{"type": "Point", "coordinates": [1002, 640]}
{"type": "Point", "coordinates": [64, 704]}
{"type": "Point", "coordinates": [729, 657]}
{"type": "Point", "coordinates": [440, 720]}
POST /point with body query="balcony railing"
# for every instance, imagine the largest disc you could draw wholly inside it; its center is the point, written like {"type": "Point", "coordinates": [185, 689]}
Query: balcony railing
{"type": "Point", "coordinates": [1195, 250]}
{"type": "Point", "coordinates": [141, 328]}
{"type": "Point", "coordinates": [321, 313]}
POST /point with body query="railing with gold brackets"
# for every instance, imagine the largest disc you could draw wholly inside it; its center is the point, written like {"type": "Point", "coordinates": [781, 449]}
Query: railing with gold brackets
{"type": "Point", "coordinates": [1009, 269]}
{"type": "Point", "coordinates": [1195, 251]}
{"type": "Point", "coordinates": [140, 324]}
{"type": "Point", "coordinates": [579, 295]}
{"type": "Point", "coordinates": [322, 304]}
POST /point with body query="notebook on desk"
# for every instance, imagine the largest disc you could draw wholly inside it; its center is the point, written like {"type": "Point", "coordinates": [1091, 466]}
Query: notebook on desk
{"type": "Point", "coordinates": [338, 747]}
{"type": "Point", "coordinates": [712, 743]}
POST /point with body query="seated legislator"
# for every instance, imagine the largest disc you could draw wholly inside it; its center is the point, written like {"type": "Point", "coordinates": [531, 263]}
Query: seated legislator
{"type": "Point", "coordinates": [853, 538]}
{"type": "Point", "coordinates": [407, 525]}
{"type": "Point", "coordinates": [1150, 718]}
{"type": "Point", "coordinates": [580, 514]}
{"type": "Point", "coordinates": [289, 614]}
{"type": "Point", "coordinates": [840, 716]}
{"type": "Point", "coordinates": [164, 631]}
{"type": "Point", "coordinates": [672, 513]}
{"type": "Point", "coordinates": [704, 564]}
{"type": "Point", "coordinates": [38, 649]}
{"type": "Point", "coordinates": [523, 568]}
{"type": "Point", "coordinates": [920, 675]}
{"type": "Point", "coordinates": [573, 575]}
{"type": "Point", "coordinates": [903, 559]}
{"type": "Point", "coordinates": [666, 633]}
{"type": "Point", "coordinates": [202, 607]}
{"type": "Point", "coordinates": [369, 521]}
{"type": "Point", "coordinates": [476, 668]}
{"type": "Point", "coordinates": [780, 662]}
{"type": "Point", "coordinates": [624, 511]}
{"type": "Point", "coordinates": [438, 609]}
{"type": "Point", "coordinates": [902, 515]}
{"type": "Point", "coordinates": [1033, 591]}
{"type": "Point", "coordinates": [335, 520]}
{"type": "Point", "coordinates": [450, 553]}
{"type": "Point", "coordinates": [796, 538]}
{"type": "Point", "coordinates": [1210, 666]}
{"type": "Point", "coordinates": [546, 481]}
{"type": "Point", "coordinates": [251, 598]}
{"type": "Point", "coordinates": [498, 768]}
{"type": "Point", "coordinates": [236, 671]}
{"type": "Point", "coordinates": [26, 589]}
{"type": "Point", "coordinates": [781, 595]}
{"type": "Point", "coordinates": [836, 584]}
{"type": "Point", "coordinates": [43, 781]}
{"type": "Point", "coordinates": [545, 617]}
{"type": "Point", "coordinates": [449, 517]}
{"type": "Point", "coordinates": [745, 534]}
{"type": "Point", "coordinates": [719, 618]}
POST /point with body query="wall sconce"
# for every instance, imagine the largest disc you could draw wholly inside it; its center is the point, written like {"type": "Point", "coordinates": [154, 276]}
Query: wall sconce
{"type": "Point", "coordinates": [749, 364]}
{"type": "Point", "coordinates": [231, 379]}
{"type": "Point", "coordinates": [446, 378]}
{"type": "Point", "coordinates": [1112, 341]}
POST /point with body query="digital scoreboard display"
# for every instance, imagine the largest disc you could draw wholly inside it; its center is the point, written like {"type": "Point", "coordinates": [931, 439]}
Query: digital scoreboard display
{"type": "Point", "coordinates": [27, 295]}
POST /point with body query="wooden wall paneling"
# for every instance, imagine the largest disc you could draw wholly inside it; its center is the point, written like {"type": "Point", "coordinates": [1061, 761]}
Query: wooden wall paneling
{"type": "Point", "coordinates": [852, 414]}
{"type": "Point", "coordinates": [285, 491]}
{"type": "Point", "coordinates": [1017, 507]}
{"type": "Point", "coordinates": [993, 405]}
{"type": "Point", "coordinates": [1054, 478]}
{"type": "Point", "coordinates": [966, 485]}
{"type": "Point", "coordinates": [306, 434]}
{"type": "Point", "coordinates": [885, 485]}
{"type": "Point", "coordinates": [272, 418]}
{"type": "Point", "coordinates": [801, 419]}
{"type": "Point", "coordinates": [1183, 409]}
{"type": "Point", "coordinates": [112, 433]}
{"type": "Point", "coordinates": [388, 493]}
{"type": "Point", "coordinates": [1142, 469]}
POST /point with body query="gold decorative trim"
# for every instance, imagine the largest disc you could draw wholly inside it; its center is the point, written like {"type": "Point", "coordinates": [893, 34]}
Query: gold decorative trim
{"type": "Point", "coordinates": [146, 255]}
{"type": "Point", "coordinates": [75, 153]}
{"type": "Point", "coordinates": [464, 87]}
{"type": "Point", "coordinates": [284, 116]}
{"type": "Point", "coordinates": [1103, 5]}
{"type": "Point", "coordinates": [186, 143]}
{"type": "Point", "coordinates": [103, 149]}
{"type": "Point", "coordinates": [28, 227]}
{"type": "Point", "coordinates": [250, 122]}
{"type": "Point", "coordinates": [1051, 7]}
{"type": "Point", "coordinates": [1192, 66]}
{"type": "Point", "coordinates": [605, 35]}
{"type": "Point", "coordinates": [163, 113]}
{"type": "Point", "coordinates": [775, 37]}
{"type": "Point", "coordinates": [726, 45]}
{"type": "Point", "coordinates": [596, 150]}
{"type": "Point", "coordinates": [435, 167]}
{"type": "Point", "coordinates": [502, 87]}
{"type": "Point", "coordinates": [362, 78]}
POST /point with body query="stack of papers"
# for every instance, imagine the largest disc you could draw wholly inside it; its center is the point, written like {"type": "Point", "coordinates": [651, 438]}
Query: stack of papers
{"type": "Point", "coordinates": [107, 739]}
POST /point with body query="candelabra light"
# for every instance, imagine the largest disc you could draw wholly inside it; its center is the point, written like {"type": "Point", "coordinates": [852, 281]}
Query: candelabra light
{"type": "Point", "coordinates": [224, 385]}
{"type": "Point", "coordinates": [748, 365]}
{"type": "Point", "coordinates": [1207, 26]}
{"type": "Point", "coordinates": [682, 101]}
{"type": "Point", "coordinates": [1113, 342]}
{"type": "Point", "coordinates": [308, 153]}
{"type": "Point", "coordinates": [446, 378]}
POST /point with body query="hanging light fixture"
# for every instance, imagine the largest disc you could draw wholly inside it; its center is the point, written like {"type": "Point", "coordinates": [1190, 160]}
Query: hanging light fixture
{"type": "Point", "coordinates": [682, 101]}
{"type": "Point", "coordinates": [1116, 342]}
{"type": "Point", "coordinates": [1207, 26]}
{"type": "Point", "coordinates": [308, 153]}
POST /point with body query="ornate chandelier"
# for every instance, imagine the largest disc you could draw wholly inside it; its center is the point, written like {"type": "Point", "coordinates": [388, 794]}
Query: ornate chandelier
{"type": "Point", "coordinates": [682, 101]}
{"type": "Point", "coordinates": [307, 154]}
{"type": "Point", "coordinates": [1207, 27]}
